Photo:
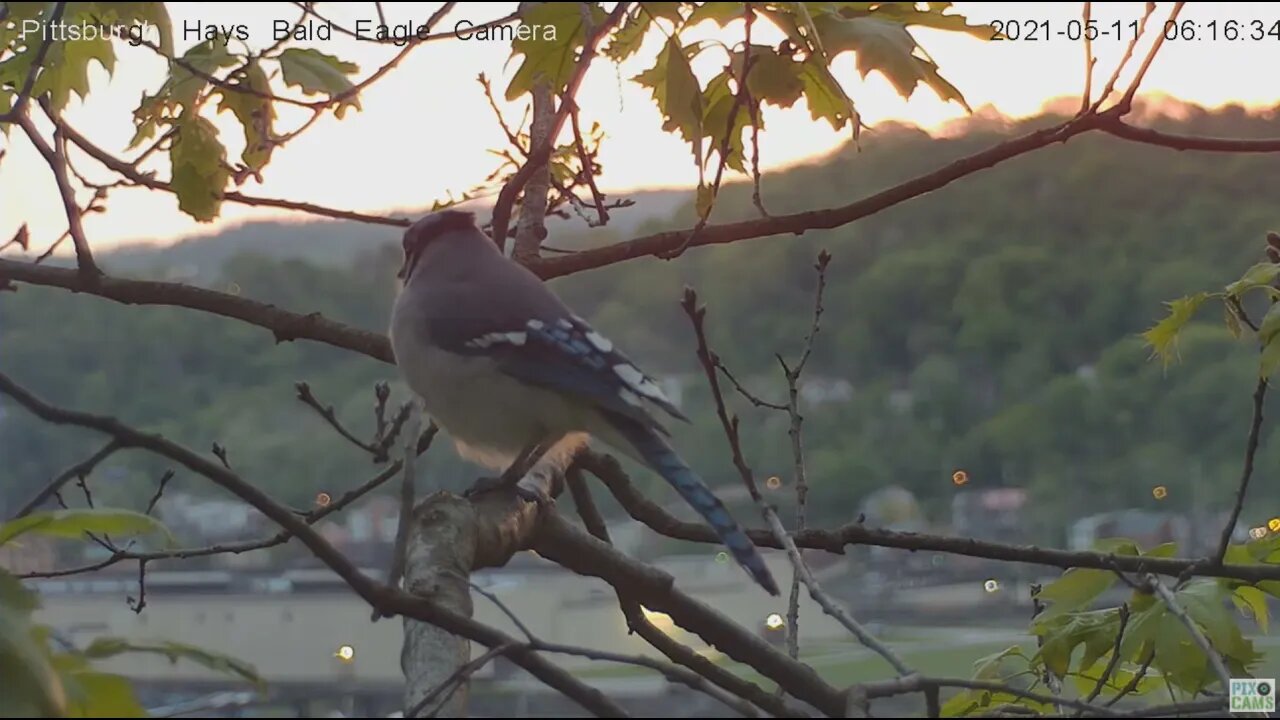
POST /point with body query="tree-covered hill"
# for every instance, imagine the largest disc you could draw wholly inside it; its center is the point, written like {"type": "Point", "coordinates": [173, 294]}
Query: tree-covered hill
{"type": "Point", "coordinates": [992, 326]}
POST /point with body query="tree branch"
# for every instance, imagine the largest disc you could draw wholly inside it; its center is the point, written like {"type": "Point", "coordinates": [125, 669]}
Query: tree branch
{"type": "Point", "coordinates": [659, 520]}
{"type": "Point", "coordinates": [1250, 453]}
{"type": "Point", "coordinates": [577, 551]}
{"type": "Point", "coordinates": [377, 595]}
{"type": "Point", "coordinates": [283, 324]}
{"type": "Point", "coordinates": [56, 158]}
{"type": "Point", "coordinates": [1171, 602]}
{"type": "Point", "coordinates": [79, 470]}
{"type": "Point", "coordinates": [18, 110]}
{"type": "Point", "coordinates": [541, 154]}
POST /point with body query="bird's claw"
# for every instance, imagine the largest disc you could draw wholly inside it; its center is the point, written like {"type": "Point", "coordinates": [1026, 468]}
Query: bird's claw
{"type": "Point", "coordinates": [484, 485]}
{"type": "Point", "coordinates": [534, 495]}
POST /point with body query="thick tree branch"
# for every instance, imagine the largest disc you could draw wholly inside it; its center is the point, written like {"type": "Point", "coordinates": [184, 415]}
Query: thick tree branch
{"type": "Point", "coordinates": [574, 549]}
{"type": "Point", "coordinates": [663, 643]}
{"type": "Point", "coordinates": [283, 324]}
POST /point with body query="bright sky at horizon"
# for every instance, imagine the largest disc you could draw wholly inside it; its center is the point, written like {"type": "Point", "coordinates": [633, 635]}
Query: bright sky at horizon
{"type": "Point", "coordinates": [426, 128]}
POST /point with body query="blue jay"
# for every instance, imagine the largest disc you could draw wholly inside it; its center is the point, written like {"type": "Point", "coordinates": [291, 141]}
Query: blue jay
{"type": "Point", "coordinates": [513, 376]}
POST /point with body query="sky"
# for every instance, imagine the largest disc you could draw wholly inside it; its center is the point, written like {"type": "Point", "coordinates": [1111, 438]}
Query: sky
{"type": "Point", "coordinates": [426, 129]}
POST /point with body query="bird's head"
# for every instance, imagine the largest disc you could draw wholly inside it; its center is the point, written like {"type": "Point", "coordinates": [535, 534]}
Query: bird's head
{"type": "Point", "coordinates": [426, 233]}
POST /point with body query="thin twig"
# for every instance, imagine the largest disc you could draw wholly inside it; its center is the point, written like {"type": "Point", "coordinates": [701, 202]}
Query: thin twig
{"type": "Point", "coordinates": [1250, 452]}
{"type": "Point", "coordinates": [400, 548]}
{"type": "Point", "coordinates": [1124, 60]}
{"type": "Point", "coordinates": [164, 482]}
{"type": "Point", "coordinates": [56, 158]}
{"type": "Point", "coordinates": [1171, 602]}
{"type": "Point", "coordinates": [456, 679]}
{"type": "Point", "coordinates": [1135, 680]}
{"type": "Point", "coordinates": [795, 431]}
{"type": "Point", "coordinates": [697, 316]}
{"type": "Point", "coordinates": [18, 110]}
{"type": "Point", "coordinates": [1087, 97]}
{"type": "Point", "coordinates": [541, 154]}
{"type": "Point", "coordinates": [1127, 101]}
{"type": "Point", "coordinates": [79, 470]}
{"type": "Point", "coordinates": [1113, 662]}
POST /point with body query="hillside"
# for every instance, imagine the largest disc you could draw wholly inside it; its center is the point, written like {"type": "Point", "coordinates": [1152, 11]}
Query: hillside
{"type": "Point", "coordinates": [990, 326]}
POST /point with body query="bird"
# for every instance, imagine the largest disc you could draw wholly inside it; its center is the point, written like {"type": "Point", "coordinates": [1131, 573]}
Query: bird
{"type": "Point", "coordinates": [513, 376]}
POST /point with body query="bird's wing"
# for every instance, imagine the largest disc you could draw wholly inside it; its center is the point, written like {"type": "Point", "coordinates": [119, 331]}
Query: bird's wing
{"type": "Point", "coordinates": [563, 354]}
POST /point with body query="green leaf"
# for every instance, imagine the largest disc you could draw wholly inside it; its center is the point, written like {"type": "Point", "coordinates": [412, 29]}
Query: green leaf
{"type": "Point", "coordinates": [315, 72]}
{"type": "Point", "coordinates": [826, 98]}
{"type": "Point", "coordinates": [1253, 602]}
{"type": "Point", "coordinates": [1256, 276]}
{"type": "Point", "coordinates": [106, 647]}
{"type": "Point", "coordinates": [1073, 591]}
{"type": "Point", "coordinates": [720, 102]}
{"type": "Point", "coordinates": [775, 78]}
{"type": "Point", "coordinates": [991, 666]}
{"type": "Point", "coordinates": [629, 36]}
{"type": "Point", "coordinates": [549, 55]}
{"type": "Point", "coordinates": [29, 687]}
{"type": "Point", "coordinates": [1061, 635]}
{"type": "Point", "coordinates": [1233, 321]}
{"type": "Point", "coordinates": [1166, 550]}
{"type": "Point", "coordinates": [721, 13]}
{"type": "Point", "coordinates": [1163, 336]}
{"type": "Point", "coordinates": [705, 199]}
{"type": "Point", "coordinates": [15, 596]}
{"type": "Point", "coordinates": [1270, 325]}
{"type": "Point", "coordinates": [678, 95]}
{"type": "Point", "coordinates": [1270, 358]}
{"type": "Point", "coordinates": [256, 114]}
{"type": "Point", "coordinates": [886, 46]}
{"type": "Point", "coordinates": [101, 695]}
{"type": "Point", "coordinates": [199, 168]}
{"type": "Point", "coordinates": [75, 523]}
{"type": "Point", "coordinates": [910, 14]}
{"type": "Point", "coordinates": [963, 702]}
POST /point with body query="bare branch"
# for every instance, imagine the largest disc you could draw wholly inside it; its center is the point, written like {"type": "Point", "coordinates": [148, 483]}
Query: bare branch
{"type": "Point", "coordinates": [1250, 453]}
{"type": "Point", "coordinates": [1171, 602]}
{"type": "Point", "coordinates": [1127, 101]}
{"type": "Point", "coordinates": [644, 510]}
{"type": "Point", "coordinates": [1191, 142]}
{"type": "Point", "coordinates": [389, 599]}
{"type": "Point", "coordinates": [575, 550]}
{"type": "Point", "coordinates": [130, 171]}
{"type": "Point", "coordinates": [1087, 97]}
{"type": "Point", "coordinates": [541, 154]}
{"type": "Point", "coordinates": [56, 158]}
{"type": "Point", "coordinates": [18, 110]}
{"type": "Point", "coordinates": [79, 470]}
{"type": "Point", "coordinates": [1124, 60]}
{"type": "Point", "coordinates": [284, 325]}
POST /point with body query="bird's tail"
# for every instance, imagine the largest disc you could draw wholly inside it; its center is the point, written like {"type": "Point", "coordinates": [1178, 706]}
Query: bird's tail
{"type": "Point", "coordinates": [658, 455]}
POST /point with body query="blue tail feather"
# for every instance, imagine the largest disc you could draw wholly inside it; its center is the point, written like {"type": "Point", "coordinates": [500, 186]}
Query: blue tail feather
{"type": "Point", "coordinates": [667, 463]}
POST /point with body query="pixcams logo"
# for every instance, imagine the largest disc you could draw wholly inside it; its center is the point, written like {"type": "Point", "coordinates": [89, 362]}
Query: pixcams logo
{"type": "Point", "coordinates": [1258, 695]}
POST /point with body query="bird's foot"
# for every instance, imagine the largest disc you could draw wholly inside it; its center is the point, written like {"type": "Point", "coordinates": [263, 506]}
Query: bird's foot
{"type": "Point", "coordinates": [486, 484]}
{"type": "Point", "coordinates": [489, 484]}
{"type": "Point", "coordinates": [534, 495]}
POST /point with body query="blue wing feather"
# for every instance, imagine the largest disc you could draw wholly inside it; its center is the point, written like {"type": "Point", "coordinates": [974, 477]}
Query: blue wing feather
{"type": "Point", "coordinates": [564, 354]}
